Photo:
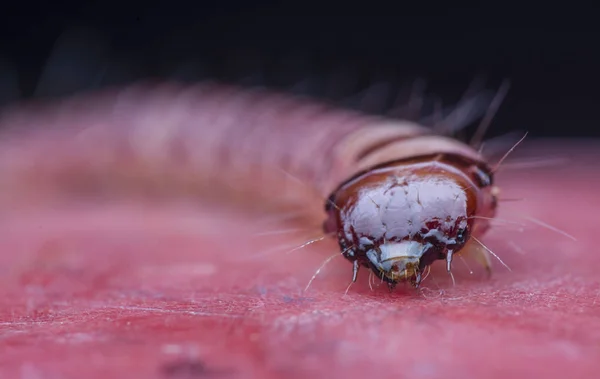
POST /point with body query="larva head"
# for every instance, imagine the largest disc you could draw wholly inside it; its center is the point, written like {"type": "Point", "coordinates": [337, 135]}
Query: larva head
{"type": "Point", "coordinates": [400, 218]}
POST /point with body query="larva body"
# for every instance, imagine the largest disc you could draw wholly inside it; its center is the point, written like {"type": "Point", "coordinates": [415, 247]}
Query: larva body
{"type": "Point", "coordinates": [239, 145]}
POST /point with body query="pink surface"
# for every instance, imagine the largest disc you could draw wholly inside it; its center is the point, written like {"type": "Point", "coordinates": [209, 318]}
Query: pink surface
{"type": "Point", "coordinates": [191, 290]}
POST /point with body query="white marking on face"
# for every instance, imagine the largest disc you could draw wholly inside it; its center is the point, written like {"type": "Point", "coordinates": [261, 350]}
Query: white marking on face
{"type": "Point", "coordinates": [440, 236]}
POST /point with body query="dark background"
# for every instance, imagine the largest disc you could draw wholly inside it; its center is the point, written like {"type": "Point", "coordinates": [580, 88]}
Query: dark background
{"type": "Point", "coordinates": [550, 55]}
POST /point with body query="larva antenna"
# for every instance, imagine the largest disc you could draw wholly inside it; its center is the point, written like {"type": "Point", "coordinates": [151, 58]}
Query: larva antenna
{"type": "Point", "coordinates": [458, 117]}
{"type": "Point", "coordinates": [492, 253]}
{"type": "Point", "coordinates": [470, 107]}
{"type": "Point", "coordinates": [329, 259]}
{"type": "Point", "coordinates": [325, 262]}
{"type": "Point", "coordinates": [497, 146]}
{"type": "Point", "coordinates": [490, 114]}
{"type": "Point", "coordinates": [499, 163]}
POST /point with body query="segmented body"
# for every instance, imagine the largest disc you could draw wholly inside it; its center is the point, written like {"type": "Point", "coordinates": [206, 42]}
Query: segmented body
{"type": "Point", "coordinates": [217, 140]}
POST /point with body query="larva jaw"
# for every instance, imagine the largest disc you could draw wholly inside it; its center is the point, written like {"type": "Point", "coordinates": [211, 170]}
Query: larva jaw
{"type": "Point", "coordinates": [398, 261]}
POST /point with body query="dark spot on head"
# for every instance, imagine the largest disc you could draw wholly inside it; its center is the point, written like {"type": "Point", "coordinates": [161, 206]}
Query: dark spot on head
{"type": "Point", "coordinates": [329, 204]}
{"type": "Point", "coordinates": [482, 178]}
{"type": "Point", "coordinates": [461, 236]}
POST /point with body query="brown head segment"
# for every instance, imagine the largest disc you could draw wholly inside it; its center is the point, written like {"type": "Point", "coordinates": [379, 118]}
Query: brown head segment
{"type": "Point", "coordinates": [399, 217]}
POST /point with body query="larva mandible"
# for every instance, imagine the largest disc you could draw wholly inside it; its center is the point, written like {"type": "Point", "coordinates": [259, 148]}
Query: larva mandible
{"type": "Point", "coordinates": [407, 196]}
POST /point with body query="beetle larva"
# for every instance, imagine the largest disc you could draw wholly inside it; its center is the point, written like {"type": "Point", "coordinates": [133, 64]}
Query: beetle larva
{"type": "Point", "coordinates": [408, 197]}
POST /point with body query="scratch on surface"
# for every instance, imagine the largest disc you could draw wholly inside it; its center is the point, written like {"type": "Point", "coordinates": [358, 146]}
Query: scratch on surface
{"type": "Point", "coordinates": [174, 311]}
{"type": "Point", "coordinates": [23, 323]}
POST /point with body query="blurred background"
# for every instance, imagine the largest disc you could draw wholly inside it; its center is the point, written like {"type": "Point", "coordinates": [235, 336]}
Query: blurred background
{"type": "Point", "coordinates": [363, 55]}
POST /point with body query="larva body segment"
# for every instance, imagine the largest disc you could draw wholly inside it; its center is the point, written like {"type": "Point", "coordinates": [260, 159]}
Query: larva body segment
{"type": "Point", "coordinates": [253, 147]}
{"type": "Point", "coordinates": [169, 139]}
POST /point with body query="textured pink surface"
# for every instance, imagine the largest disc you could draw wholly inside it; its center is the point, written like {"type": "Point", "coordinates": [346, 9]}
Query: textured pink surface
{"type": "Point", "coordinates": [161, 291]}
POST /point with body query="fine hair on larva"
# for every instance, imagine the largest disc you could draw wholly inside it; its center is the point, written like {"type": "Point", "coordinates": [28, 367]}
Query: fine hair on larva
{"type": "Point", "coordinates": [247, 147]}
